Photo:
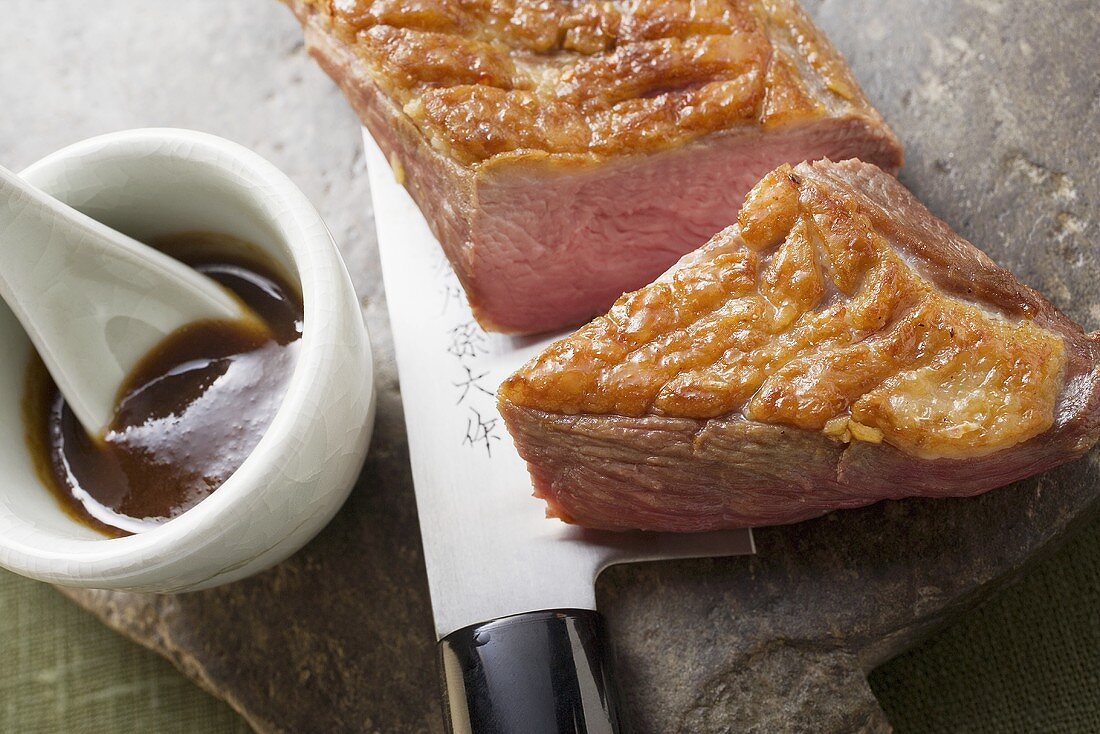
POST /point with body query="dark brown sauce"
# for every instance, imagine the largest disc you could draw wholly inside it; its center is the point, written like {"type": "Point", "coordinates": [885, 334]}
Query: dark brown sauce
{"type": "Point", "coordinates": [188, 415]}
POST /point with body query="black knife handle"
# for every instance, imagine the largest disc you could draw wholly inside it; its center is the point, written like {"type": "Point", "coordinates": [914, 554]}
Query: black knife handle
{"type": "Point", "coordinates": [536, 673]}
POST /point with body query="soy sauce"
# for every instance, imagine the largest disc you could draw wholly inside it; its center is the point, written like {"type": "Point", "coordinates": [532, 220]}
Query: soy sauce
{"type": "Point", "coordinates": [189, 414]}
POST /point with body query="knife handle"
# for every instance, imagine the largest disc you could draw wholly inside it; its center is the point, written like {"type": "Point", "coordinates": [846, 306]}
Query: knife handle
{"type": "Point", "coordinates": [545, 672]}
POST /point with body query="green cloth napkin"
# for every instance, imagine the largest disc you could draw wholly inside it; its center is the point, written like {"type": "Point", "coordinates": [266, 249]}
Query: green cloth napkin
{"type": "Point", "coordinates": [63, 672]}
{"type": "Point", "coordinates": [1026, 661]}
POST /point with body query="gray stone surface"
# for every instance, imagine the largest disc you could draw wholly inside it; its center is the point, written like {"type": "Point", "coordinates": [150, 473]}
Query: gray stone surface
{"type": "Point", "coordinates": [996, 103]}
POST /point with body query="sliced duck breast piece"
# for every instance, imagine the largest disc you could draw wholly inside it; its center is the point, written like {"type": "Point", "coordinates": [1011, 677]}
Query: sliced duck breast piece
{"type": "Point", "coordinates": [564, 153]}
{"type": "Point", "coordinates": [837, 346]}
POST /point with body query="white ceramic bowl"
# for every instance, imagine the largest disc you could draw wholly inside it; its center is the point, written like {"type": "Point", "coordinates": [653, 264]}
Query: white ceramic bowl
{"type": "Point", "coordinates": [155, 182]}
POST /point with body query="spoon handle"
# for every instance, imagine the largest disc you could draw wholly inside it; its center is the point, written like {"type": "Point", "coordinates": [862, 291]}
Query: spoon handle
{"type": "Point", "coordinates": [92, 300]}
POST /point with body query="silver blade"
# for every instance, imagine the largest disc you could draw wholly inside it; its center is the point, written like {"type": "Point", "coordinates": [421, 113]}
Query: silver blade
{"type": "Point", "coordinates": [489, 548]}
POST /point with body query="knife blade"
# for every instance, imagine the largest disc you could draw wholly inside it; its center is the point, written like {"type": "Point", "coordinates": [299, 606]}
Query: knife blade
{"type": "Point", "coordinates": [506, 582]}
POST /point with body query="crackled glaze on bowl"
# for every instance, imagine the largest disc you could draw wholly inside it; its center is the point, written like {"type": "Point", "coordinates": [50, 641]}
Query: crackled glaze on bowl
{"type": "Point", "coordinates": [154, 182]}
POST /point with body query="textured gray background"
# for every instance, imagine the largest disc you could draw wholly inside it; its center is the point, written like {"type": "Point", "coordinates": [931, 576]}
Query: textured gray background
{"type": "Point", "coordinates": [996, 103]}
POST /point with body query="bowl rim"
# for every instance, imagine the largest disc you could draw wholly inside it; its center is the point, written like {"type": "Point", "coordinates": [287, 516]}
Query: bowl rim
{"type": "Point", "coordinates": [316, 259]}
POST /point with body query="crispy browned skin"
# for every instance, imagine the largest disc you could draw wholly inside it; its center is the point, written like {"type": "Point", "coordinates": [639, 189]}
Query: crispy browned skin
{"type": "Point", "coordinates": [837, 346]}
{"type": "Point", "coordinates": [806, 316]}
{"type": "Point", "coordinates": [484, 78]}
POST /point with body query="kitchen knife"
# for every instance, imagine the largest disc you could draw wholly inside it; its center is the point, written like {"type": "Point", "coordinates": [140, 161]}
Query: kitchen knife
{"type": "Point", "coordinates": [522, 649]}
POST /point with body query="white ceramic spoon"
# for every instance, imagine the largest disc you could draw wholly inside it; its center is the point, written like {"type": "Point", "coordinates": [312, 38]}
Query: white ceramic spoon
{"type": "Point", "coordinates": [93, 301]}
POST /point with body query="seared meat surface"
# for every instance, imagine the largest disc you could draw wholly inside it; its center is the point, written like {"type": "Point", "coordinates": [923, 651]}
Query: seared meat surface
{"type": "Point", "coordinates": [566, 152]}
{"type": "Point", "coordinates": [837, 346]}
